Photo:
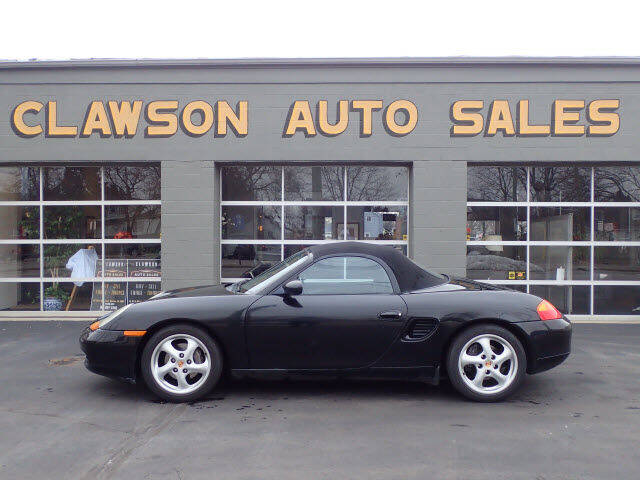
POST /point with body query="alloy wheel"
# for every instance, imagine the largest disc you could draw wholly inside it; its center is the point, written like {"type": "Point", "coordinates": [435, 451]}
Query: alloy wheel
{"type": "Point", "coordinates": [488, 364]}
{"type": "Point", "coordinates": [180, 364]}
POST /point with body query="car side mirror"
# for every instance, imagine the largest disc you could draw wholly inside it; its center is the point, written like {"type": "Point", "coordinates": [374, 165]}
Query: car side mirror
{"type": "Point", "coordinates": [294, 287]}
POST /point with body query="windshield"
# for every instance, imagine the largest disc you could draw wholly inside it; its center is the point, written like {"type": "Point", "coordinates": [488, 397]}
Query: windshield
{"type": "Point", "coordinates": [274, 273]}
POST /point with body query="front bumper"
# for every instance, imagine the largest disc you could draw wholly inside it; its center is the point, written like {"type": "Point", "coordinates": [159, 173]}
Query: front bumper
{"type": "Point", "coordinates": [110, 353]}
{"type": "Point", "coordinates": [549, 343]}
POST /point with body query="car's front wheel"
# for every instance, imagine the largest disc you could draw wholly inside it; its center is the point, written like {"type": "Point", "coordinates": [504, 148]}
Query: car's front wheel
{"type": "Point", "coordinates": [486, 363]}
{"type": "Point", "coordinates": [181, 363]}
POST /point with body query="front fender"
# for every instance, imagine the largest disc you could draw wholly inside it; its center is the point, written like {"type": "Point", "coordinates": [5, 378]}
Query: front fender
{"type": "Point", "coordinates": [221, 316]}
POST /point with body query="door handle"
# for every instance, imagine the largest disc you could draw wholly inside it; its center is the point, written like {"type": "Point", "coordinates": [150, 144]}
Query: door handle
{"type": "Point", "coordinates": [390, 315]}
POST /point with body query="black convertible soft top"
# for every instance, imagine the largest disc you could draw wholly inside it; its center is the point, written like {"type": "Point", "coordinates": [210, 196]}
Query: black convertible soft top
{"type": "Point", "coordinates": [409, 275]}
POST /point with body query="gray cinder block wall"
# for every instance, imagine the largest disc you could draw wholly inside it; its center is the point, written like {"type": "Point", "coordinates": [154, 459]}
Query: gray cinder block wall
{"type": "Point", "coordinates": [438, 215]}
{"type": "Point", "coordinates": [190, 250]}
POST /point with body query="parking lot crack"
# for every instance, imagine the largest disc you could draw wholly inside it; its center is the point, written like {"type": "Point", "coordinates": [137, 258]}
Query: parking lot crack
{"type": "Point", "coordinates": [135, 441]}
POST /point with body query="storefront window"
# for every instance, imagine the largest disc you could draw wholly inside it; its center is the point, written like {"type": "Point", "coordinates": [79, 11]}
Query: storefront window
{"type": "Point", "coordinates": [560, 184]}
{"type": "Point", "coordinates": [311, 209]}
{"type": "Point", "coordinates": [617, 184]}
{"type": "Point", "coordinates": [497, 262]}
{"type": "Point", "coordinates": [560, 224]}
{"type": "Point", "coordinates": [87, 223]}
{"type": "Point", "coordinates": [497, 184]}
{"type": "Point", "coordinates": [313, 183]}
{"type": "Point", "coordinates": [497, 223]}
{"type": "Point", "coordinates": [251, 183]}
{"type": "Point", "coordinates": [584, 258]}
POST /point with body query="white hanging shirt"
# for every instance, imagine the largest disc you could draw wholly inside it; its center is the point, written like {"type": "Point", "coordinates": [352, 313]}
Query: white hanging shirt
{"type": "Point", "coordinates": [83, 264]}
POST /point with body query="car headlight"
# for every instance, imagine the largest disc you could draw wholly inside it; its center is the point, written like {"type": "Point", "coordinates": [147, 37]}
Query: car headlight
{"type": "Point", "coordinates": [101, 323]}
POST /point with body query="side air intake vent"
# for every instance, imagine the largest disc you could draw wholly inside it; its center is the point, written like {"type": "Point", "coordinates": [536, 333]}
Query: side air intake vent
{"type": "Point", "coordinates": [421, 328]}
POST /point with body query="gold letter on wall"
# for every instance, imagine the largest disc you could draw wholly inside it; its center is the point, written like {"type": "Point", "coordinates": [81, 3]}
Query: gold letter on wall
{"type": "Point", "coordinates": [125, 117]}
{"type": "Point", "coordinates": [299, 118]}
{"type": "Point", "coordinates": [499, 118]}
{"type": "Point", "coordinates": [411, 113]}
{"type": "Point", "coordinates": [17, 119]}
{"type": "Point", "coordinates": [239, 122]}
{"type": "Point", "coordinates": [522, 120]}
{"type": "Point", "coordinates": [206, 114]}
{"type": "Point", "coordinates": [565, 114]}
{"type": "Point", "coordinates": [342, 122]}
{"type": "Point", "coordinates": [163, 123]}
{"type": "Point", "coordinates": [605, 122]}
{"type": "Point", "coordinates": [466, 124]}
{"type": "Point", "coordinates": [366, 108]}
{"type": "Point", "coordinates": [96, 119]}
{"type": "Point", "coordinates": [55, 130]}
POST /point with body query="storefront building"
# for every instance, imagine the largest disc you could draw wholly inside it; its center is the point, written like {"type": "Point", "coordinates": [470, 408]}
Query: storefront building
{"type": "Point", "coordinates": [119, 179]}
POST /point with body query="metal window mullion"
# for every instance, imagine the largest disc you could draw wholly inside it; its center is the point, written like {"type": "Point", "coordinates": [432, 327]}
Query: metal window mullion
{"type": "Point", "coordinates": [592, 248]}
{"type": "Point", "coordinates": [102, 244]}
{"type": "Point", "coordinates": [528, 248]}
{"type": "Point", "coordinates": [41, 193]}
{"type": "Point", "coordinates": [344, 208]}
{"type": "Point", "coordinates": [282, 213]}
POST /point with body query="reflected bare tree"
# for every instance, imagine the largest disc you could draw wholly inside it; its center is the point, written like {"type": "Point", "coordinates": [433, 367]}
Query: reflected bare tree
{"type": "Point", "coordinates": [123, 182]}
{"type": "Point", "coordinates": [376, 183]}
{"type": "Point", "coordinates": [506, 184]}
{"type": "Point", "coordinates": [617, 184]}
{"type": "Point", "coordinates": [560, 184]}
{"type": "Point", "coordinates": [251, 183]}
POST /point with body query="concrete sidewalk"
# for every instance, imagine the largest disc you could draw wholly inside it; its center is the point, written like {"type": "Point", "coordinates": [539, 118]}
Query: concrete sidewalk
{"type": "Point", "coordinates": [58, 421]}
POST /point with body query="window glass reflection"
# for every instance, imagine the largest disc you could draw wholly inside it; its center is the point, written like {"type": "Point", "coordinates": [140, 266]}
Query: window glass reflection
{"type": "Point", "coordinates": [617, 224]}
{"type": "Point", "coordinates": [616, 300]}
{"type": "Point", "coordinates": [19, 260]}
{"type": "Point", "coordinates": [376, 223]}
{"type": "Point", "coordinates": [617, 184]}
{"type": "Point", "coordinates": [251, 223]}
{"type": "Point", "coordinates": [313, 223]}
{"type": "Point", "coordinates": [251, 183]}
{"type": "Point", "coordinates": [19, 184]}
{"type": "Point", "coordinates": [17, 222]}
{"type": "Point", "coordinates": [247, 261]}
{"type": "Point", "coordinates": [496, 184]}
{"type": "Point", "coordinates": [71, 183]}
{"type": "Point", "coordinates": [560, 223]}
{"type": "Point", "coordinates": [497, 262]}
{"type": "Point", "coordinates": [132, 221]}
{"type": "Point", "coordinates": [496, 223]}
{"type": "Point", "coordinates": [560, 184]}
{"type": "Point", "coordinates": [313, 183]}
{"type": "Point", "coordinates": [560, 263]}
{"type": "Point", "coordinates": [72, 222]}
{"type": "Point", "coordinates": [369, 183]}
{"type": "Point", "coordinates": [616, 263]}
{"type": "Point", "coordinates": [19, 296]}
{"type": "Point", "coordinates": [122, 182]}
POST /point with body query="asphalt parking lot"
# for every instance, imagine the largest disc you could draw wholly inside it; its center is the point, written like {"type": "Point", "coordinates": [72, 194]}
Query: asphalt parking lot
{"type": "Point", "coordinates": [58, 421]}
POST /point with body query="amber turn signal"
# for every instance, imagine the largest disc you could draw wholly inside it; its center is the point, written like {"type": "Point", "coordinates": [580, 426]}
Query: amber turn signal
{"type": "Point", "coordinates": [134, 333]}
{"type": "Point", "coordinates": [546, 311]}
{"type": "Point", "coordinates": [94, 326]}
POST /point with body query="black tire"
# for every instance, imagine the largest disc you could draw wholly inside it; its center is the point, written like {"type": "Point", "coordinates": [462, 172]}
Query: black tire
{"type": "Point", "coordinates": [214, 354]}
{"type": "Point", "coordinates": [455, 376]}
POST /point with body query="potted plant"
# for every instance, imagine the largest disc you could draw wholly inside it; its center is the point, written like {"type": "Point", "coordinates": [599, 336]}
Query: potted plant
{"type": "Point", "coordinates": [55, 297]}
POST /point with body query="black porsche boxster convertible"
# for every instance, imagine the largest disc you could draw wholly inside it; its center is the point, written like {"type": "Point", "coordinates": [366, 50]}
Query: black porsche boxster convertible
{"type": "Point", "coordinates": [337, 309]}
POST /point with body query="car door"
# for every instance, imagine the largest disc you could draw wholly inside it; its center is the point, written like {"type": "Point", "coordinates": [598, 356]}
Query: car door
{"type": "Point", "coordinates": [347, 316]}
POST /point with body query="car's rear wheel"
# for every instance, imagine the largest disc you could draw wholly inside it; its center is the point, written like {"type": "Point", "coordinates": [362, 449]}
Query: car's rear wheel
{"type": "Point", "coordinates": [486, 363]}
{"type": "Point", "coordinates": [181, 363]}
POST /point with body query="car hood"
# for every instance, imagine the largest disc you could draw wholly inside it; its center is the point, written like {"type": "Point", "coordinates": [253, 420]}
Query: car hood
{"type": "Point", "coordinates": [199, 291]}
